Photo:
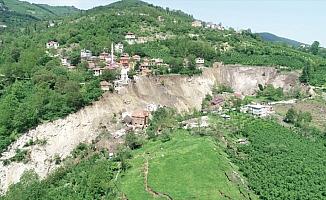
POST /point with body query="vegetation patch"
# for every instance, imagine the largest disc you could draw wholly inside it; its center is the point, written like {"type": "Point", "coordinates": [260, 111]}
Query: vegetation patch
{"type": "Point", "coordinates": [281, 164]}
{"type": "Point", "coordinates": [186, 167]}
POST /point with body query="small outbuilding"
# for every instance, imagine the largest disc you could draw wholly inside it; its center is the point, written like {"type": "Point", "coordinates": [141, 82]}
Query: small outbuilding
{"type": "Point", "coordinates": [140, 119]}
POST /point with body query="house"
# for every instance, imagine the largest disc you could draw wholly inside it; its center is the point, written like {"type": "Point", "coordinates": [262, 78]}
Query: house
{"type": "Point", "coordinates": [85, 54]}
{"type": "Point", "coordinates": [52, 45]}
{"type": "Point", "coordinates": [65, 62]}
{"type": "Point", "coordinates": [130, 38]}
{"type": "Point", "coordinates": [51, 24]}
{"type": "Point", "coordinates": [118, 48]}
{"type": "Point", "coordinates": [145, 71]}
{"type": "Point", "coordinates": [105, 86]}
{"type": "Point", "coordinates": [145, 62]}
{"type": "Point", "coordinates": [220, 27]}
{"type": "Point", "coordinates": [124, 60]}
{"type": "Point", "coordinates": [196, 23]}
{"type": "Point", "coordinates": [200, 61]}
{"type": "Point", "coordinates": [3, 26]}
{"type": "Point", "coordinates": [97, 71]}
{"type": "Point", "coordinates": [104, 56]}
{"type": "Point", "coordinates": [140, 119]}
{"type": "Point", "coordinates": [156, 62]}
{"type": "Point", "coordinates": [258, 110]}
{"type": "Point", "coordinates": [217, 101]}
{"type": "Point", "coordinates": [160, 19]}
{"type": "Point", "coordinates": [211, 25]}
{"type": "Point", "coordinates": [136, 58]}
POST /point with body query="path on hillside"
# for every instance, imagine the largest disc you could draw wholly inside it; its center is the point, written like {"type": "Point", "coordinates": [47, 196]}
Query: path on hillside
{"type": "Point", "coordinates": [147, 187]}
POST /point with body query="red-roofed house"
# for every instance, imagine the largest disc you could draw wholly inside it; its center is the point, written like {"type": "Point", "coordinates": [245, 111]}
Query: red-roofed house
{"type": "Point", "coordinates": [140, 118]}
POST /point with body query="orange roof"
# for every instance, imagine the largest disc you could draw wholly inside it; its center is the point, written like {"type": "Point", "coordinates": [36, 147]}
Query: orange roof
{"type": "Point", "coordinates": [105, 83]}
{"type": "Point", "coordinates": [140, 114]}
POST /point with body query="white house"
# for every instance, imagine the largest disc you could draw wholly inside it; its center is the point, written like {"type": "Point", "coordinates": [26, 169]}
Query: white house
{"type": "Point", "coordinates": [85, 54]}
{"type": "Point", "coordinates": [160, 19]}
{"type": "Point", "coordinates": [97, 71]}
{"type": "Point", "coordinates": [136, 58]}
{"type": "Point", "coordinates": [130, 38]}
{"type": "Point", "coordinates": [196, 23]}
{"type": "Point", "coordinates": [51, 24]}
{"type": "Point", "coordinates": [65, 61]}
{"type": "Point", "coordinates": [258, 110]}
{"type": "Point", "coordinates": [3, 26]}
{"type": "Point", "coordinates": [220, 27]}
{"type": "Point", "coordinates": [119, 48]}
{"type": "Point", "coordinates": [200, 61]}
{"type": "Point", "coordinates": [211, 25]}
{"type": "Point", "coordinates": [52, 45]}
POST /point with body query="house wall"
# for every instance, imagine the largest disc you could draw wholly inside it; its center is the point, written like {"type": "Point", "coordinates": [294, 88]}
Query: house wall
{"type": "Point", "coordinates": [139, 121]}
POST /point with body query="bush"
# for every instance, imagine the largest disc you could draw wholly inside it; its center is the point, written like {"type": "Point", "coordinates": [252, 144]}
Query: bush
{"type": "Point", "coordinates": [271, 93]}
{"type": "Point", "coordinates": [132, 141]}
{"type": "Point", "coordinates": [222, 88]}
{"type": "Point", "coordinates": [297, 118]}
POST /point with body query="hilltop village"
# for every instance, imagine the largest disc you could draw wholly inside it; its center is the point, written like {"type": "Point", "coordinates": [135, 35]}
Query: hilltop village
{"type": "Point", "coordinates": [125, 68]}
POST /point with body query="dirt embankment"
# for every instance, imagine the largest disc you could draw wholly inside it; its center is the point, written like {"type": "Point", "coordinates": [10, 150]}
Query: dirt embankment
{"type": "Point", "coordinates": [246, 79]}
{"type": "Point", "coordinates": [182, 93]}
{"type": "Point", "coordinates": [63, 135]}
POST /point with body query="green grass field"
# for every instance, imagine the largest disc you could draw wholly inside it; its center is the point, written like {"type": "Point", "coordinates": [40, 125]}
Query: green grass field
{"type": "Point", "coordinates": [186, 167]}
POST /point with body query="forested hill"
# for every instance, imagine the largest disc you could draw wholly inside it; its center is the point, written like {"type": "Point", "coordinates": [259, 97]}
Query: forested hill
{"type": "Point", "coordinates": [15, 12]}
{"type": "Point", "coordinates": [277, 39]}
{"type": "Point", "coordinates": [40, 11]}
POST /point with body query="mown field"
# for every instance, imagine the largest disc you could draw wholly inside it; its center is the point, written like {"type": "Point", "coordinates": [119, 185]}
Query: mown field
{"type": "Point", "coordinates": [186, 167]}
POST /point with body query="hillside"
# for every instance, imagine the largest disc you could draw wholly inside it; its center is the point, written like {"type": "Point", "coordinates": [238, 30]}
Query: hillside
{"type": "Point", "coordinates": [170, 166]}
{"type": "Point", "coordinates": [57, 121]}
{"type": "Point", "coordinates": [19, 13]}
{"type": "Point", "coordinates": [39, 11]}
{"type": "Point", "coordinates": [276, 39]}
{"type": "Point", "coordinates": [26, 66]}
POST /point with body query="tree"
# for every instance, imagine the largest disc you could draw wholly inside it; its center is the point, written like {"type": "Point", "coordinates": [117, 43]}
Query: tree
{"type": "Point", "coordinates": [110, 75]}
{"type": "Point", "coordinates": [314, 49]}
{"type": "Point", "coordinates": [132, 141]}
{"type": "Point", "coordinates": [303, 118]}
{"type": "Point", "coordinates": [290, 116]}
{"type": "Point", "coordinates": [304, 78]}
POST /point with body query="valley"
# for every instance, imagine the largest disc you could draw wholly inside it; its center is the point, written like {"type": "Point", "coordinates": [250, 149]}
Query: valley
{"type": "Point", "coordinates": [134, 101]}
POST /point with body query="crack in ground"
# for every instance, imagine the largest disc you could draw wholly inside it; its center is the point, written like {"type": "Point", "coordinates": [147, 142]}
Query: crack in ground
{"type": "Point", "coordinates": [148, 188]}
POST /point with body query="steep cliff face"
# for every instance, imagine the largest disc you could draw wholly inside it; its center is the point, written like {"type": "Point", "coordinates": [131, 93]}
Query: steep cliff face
{"type": "Point", "coordinates": [246, 79]}
{"type": "Point", "coordinates": [180, 92]}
